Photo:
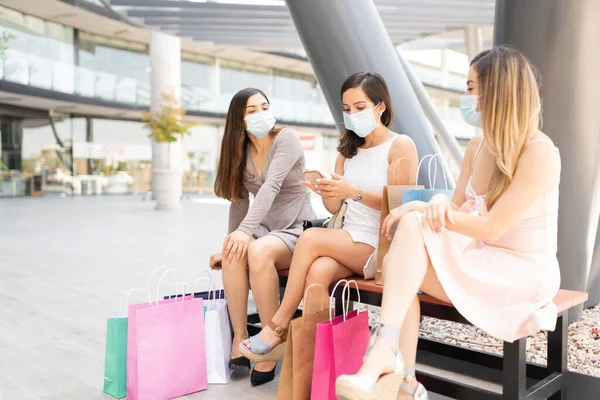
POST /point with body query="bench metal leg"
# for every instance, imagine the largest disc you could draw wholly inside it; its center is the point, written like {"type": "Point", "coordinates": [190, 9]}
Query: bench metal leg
{"type": "Point", "coordinates": [514, 370]}
{"type": "Point", "coordinates": [558, 352]}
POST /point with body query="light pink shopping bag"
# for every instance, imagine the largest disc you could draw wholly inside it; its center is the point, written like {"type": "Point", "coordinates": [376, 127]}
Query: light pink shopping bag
{"type": "Point", "coordinates": [341, 344]}
{"type": "Point", "coordinates": [166, 349]}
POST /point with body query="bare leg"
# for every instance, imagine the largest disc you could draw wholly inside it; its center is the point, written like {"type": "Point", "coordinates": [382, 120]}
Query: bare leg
{"type": "Point", "coordinates": [235, 282]}
{"type": "Point", "coordinates": [410, 329]}
{"type": "Point", "coordinates": [266, 256]}
{"type": "Point", "coordinates": [405, 269]}
{"type": "Point", "coordinates": [313, 244]}
{"type": "Point", "coordinates": [323, 271]}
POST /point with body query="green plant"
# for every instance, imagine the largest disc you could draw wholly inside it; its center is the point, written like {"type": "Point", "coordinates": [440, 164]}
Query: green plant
{"type": "Point", "coordinates": [167, 124]}
{"type": "Point", "coordinates": [122, 167]}
{"type": "Point", "coordinates": [3, 167]}
{"type": "Point", "coordinates": [5, 37]}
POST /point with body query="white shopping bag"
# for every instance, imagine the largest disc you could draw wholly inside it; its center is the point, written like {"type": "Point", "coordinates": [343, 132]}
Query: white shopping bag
{"type": "Point", "coordinates": [218, 340]}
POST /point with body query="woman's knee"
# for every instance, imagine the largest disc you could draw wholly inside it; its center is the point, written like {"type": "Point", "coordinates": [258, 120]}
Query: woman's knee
{"type": "Point", "coordinates": [235, 266]}
{"type": "Point", "coordinates": [260, 255]}
{"type": "Point", "coordinates": [310, 238]}
{"type": "Point", "coordinates": [321, 271]}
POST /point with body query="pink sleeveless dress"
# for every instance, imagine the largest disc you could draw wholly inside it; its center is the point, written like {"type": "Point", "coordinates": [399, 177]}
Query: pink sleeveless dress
{"type": "Point", "coordinates": [506, 287]}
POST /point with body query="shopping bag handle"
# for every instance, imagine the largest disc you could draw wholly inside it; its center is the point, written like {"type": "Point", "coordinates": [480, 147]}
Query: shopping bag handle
{"type": "Point", "coordinates": [395, 168]}
{"type": "Point", "coordinates": [306, 294]}
{"type": "Point", "coordinates": [169, 271]}
{"type": "Point", "coordinates": [208, 278]}
{"type": "Point", "coordinates": [436, 157]}
{"type": "Point", "coordinates": [346, 305]}
{"type": "Point", "coordinates": [431, 157]}
{"type": "Point", "coordinates": [125, 299]}
{"type": "Point", "coordinates": [183, 285]}
{"type": "Point", "coordinates": [333, 292]}
{"type": "Point", "coordinates": [148, 291]}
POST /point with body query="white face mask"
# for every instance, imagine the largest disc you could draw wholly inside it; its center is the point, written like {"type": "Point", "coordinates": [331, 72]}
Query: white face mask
{"type": "Point", "coordinates": [468, 109]}
{"type": "Point", "coordinates": [362, 123]}
{"type": "Point", "coordinates": [260, 124]}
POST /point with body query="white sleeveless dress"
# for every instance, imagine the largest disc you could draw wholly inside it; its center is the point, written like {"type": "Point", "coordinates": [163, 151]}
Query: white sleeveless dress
{"type": "Point", "coordinates": [369, 170]}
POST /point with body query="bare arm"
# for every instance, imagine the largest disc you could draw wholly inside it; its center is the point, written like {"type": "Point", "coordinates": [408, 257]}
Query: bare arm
{"type": "Point", "coordinates": [537, 171]}
{"type": "Point", "coordinates": [333, 205]}
{"type": "Point", "coordinates": [288, 150]}
{"type": "Point", "coordinates": [458, 199]}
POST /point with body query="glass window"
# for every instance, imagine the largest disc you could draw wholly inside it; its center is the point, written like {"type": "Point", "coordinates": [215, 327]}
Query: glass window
{"type": "Point", "coordinates": [113, 69]}
{"type": "Point", "coordinates": [198, 81]}
{"type": "Point", "coordinates": [41, 53]}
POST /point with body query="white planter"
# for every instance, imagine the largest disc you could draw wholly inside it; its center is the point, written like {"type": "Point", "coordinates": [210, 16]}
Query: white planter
{"type": "Point", "coordinates": [166, 188]}
{"type": "Point", "coordinates": [166, 175]}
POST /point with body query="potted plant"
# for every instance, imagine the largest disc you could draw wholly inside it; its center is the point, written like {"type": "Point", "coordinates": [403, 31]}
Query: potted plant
{"type": "Point", "coordinates": [167, 127]}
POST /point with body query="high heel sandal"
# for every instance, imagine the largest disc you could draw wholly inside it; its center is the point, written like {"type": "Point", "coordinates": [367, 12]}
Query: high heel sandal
{"type": "Point", "coordinates": [260, 351]}
{"type": "Point", "coordinates": [360, 387]}
{"type": "Point", "coordinates": [419, 393]}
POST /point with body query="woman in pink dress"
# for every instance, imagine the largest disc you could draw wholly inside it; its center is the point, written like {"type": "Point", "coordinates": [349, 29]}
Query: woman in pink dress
{"type": "Point", "coordinates": [491, 250]}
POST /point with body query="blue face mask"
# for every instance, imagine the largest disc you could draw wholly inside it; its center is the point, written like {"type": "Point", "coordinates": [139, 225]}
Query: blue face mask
{"type": "Point", "coordinates": [260, 124]}
{"type": "Point", "coordinates": [362, 123]}
{"type": "Point", "coordinates": [468, 109]}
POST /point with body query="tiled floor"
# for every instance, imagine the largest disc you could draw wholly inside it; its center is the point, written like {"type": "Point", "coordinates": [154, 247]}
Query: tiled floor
{"type": "Point", "coordinates": [64, 263]}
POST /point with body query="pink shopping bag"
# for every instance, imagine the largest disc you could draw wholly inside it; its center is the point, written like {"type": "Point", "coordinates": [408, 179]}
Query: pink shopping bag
{"type": "Point", "coordinates": [166, 349]}
{"type": "Point", "coordinates": [340, 346]}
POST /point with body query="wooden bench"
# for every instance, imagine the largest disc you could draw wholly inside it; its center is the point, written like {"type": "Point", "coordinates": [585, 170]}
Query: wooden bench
{"type": "Point", "coordinates": [463, 373]}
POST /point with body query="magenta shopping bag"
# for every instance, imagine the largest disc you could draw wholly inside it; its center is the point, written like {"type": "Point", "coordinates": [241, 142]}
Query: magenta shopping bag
{"type": "Point", "coordinates": [166, 349]}
{"type": "Point", "coordinates": [340, 347]}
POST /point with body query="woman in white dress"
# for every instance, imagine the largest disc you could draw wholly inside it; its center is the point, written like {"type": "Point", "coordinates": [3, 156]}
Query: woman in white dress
{"type": "Point", "coordinates": [367, 148]}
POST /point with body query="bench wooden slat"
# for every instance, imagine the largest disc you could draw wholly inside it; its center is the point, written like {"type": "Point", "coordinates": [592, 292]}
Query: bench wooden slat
{"type": "Point", "coordinates": [564, 299]}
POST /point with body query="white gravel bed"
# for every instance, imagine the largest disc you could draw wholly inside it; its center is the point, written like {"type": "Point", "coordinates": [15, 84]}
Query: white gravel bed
{"type": "Point", "coordinates": [584, 346]}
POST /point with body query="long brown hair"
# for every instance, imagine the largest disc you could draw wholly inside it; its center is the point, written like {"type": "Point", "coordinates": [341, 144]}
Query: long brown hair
{"type": "Point", "coordinates": [510, 110]}
{"type": "Point", "coordinates": [234, 148]}
{"type": "Point", "coordinates": [377, 91]}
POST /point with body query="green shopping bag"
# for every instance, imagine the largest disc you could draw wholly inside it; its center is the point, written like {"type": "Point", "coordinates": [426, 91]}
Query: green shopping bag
{"type": "Point", "coordinates": [115, 361]}
{"type": "Point", "coordinates": [115, 357]}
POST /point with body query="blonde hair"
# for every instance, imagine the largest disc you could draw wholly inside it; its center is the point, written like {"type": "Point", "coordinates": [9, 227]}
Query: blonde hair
{"type": "Point", "coordinates": [510, 110]}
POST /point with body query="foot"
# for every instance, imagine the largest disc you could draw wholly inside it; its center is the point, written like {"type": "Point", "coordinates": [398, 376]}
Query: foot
{"type": "Point", "coordinates": [412, 390]}
{"type": "Point", "coordinates": [265, 366]}
{"type": "Point", "coordinates": [268, 336]}
{"type": "Point", "coordinates": [267, 346]}
{"type": "Point", "coordinates": [379, 361]}
{"type": "Point", "coordinates": [382, 371]}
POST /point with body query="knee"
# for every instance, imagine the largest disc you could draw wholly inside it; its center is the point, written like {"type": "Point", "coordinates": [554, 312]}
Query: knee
{"type": "Point", "coordinates": [233, 266]}
{"type": "Point", "coordinates": [320, 271]}
{"type": "Point", "coordinates": [409, 222]}
{"type": "Point", "coordinates": [310, 238]}
{"type": "Point", "coordinates": [260, 255]}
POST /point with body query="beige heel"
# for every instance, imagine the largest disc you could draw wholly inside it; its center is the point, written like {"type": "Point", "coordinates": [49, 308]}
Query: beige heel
{"type": "Point", "coordinates": [258, 352]}
{"type": "Point", "coordinates": [388, 386]}
{"type": "Point", "coordinates": [361, 387]}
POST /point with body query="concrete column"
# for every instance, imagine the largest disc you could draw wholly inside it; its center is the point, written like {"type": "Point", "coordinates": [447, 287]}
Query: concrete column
{"type": "Point", "coordinates": [165, 62]}
{"type": "Point", "coordinates": [341, 40]}
{"type": "Point", "coordinates": [561, 39]}
{"type": "Point", "coordinates": [473, 41]}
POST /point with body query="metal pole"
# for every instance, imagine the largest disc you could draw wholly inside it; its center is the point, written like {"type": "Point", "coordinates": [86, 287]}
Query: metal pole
{"type": "Point", "coordinates": [561, 39]}
{"type": "Point", "coordinates": [342, 39]}
{"type": "Point", "coordinates": [431, 112]}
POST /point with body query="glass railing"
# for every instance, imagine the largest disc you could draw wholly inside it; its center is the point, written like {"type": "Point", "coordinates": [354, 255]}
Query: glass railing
{"type": "Point", "coordinates": [435, 77]}
{"type": "Point", "coordinates": [45, 73]}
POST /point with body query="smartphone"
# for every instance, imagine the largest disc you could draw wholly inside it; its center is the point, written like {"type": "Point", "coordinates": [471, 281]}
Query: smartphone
{"type": "Point", "coordinates": [312, 177]}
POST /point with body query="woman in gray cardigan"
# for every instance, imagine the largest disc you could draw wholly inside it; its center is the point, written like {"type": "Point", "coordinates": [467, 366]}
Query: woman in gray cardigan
{"type": "Point", "coordinates": [268, 162]}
